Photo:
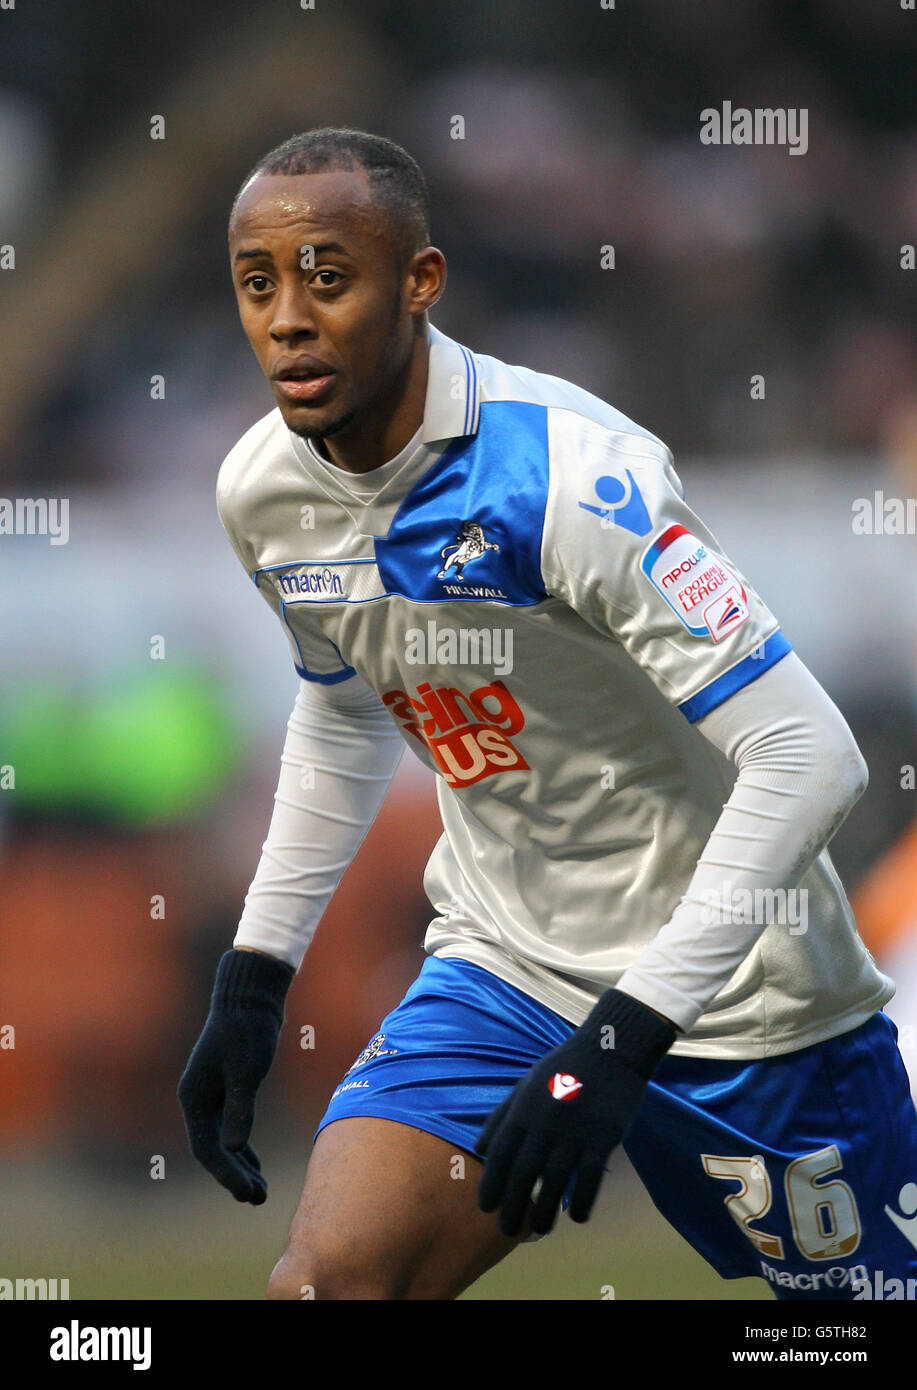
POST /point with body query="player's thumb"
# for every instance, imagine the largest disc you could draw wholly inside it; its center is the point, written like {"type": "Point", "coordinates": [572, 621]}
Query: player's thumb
{"type": "Point", "coordinates": [238, 1118]}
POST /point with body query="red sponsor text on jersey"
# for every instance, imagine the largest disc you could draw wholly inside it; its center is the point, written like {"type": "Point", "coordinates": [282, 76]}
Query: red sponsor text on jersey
{"type": "Point", "coordinates": [467, 735]}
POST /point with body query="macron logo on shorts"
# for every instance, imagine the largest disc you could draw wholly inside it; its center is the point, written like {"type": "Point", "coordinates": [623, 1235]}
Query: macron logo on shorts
{"type": "Point", "coordinates": [562, 1085]}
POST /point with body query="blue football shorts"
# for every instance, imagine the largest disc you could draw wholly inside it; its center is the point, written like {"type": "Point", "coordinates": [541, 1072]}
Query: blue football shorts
{"type": "Point", "coordinates": [800, 1169]}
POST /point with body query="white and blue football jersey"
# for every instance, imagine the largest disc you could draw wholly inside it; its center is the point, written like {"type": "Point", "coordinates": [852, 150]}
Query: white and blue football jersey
{"type": "Point", "coordinates": [544, 618]}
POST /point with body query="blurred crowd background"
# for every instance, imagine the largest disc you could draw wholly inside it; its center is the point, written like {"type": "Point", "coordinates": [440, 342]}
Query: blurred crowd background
{"type": "Point", "coordinates": [145, 686]}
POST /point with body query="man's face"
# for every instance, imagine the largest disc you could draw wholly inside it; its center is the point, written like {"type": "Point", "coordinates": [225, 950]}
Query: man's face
{"type": "Point", "coordinates": [331, 337]}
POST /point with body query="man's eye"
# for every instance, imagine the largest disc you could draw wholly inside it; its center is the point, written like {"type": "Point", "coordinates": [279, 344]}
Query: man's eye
{"type": "Point", "coordinates": [326, 284]}
{"type": "Point", "coordinates": [256, 283]}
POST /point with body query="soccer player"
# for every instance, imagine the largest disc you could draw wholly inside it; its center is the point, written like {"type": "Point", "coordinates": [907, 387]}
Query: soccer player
{"type": "Point", "coordinates": [638, 936]}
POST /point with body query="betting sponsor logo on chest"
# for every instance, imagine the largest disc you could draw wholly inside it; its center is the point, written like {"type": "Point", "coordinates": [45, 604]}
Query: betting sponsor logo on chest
{"type": "Point", "coordinates": [469, 736]}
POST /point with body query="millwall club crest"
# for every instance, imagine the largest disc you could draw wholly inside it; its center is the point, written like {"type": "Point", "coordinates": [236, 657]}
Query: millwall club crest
{"type": "Point", "coordinates": [372, 1049]}
{"type": "Point", "coordinates": [471, 546]}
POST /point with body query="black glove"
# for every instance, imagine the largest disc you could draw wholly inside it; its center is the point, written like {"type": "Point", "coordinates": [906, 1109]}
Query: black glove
{"type": "Point", "coordinates": [567, 1114]}
{"type": "Point", "coordinates": [230, 1060]}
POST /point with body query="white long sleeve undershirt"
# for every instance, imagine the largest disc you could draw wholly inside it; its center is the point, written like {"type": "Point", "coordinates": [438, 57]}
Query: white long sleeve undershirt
{"type": "Point", "coordinates": [799, 774]}
{"type": "Point", "coordinates": [342, 750]}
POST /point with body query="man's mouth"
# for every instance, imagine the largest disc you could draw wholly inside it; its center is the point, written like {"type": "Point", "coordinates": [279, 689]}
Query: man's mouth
{"type": "Point", "coordinates": [305, 388]}
{"type": "Point", "coordinates": [305, 379]}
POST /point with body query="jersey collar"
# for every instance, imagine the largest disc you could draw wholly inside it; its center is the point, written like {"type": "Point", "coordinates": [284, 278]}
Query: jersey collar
{"type": "Point", "coordinates": [452, 410]}
{"type": "Point", "coordinates": [452, 407]}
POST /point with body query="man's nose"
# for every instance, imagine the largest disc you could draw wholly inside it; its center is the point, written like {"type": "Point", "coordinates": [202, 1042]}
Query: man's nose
{"type": "Point", "coordinates": [292, 313]}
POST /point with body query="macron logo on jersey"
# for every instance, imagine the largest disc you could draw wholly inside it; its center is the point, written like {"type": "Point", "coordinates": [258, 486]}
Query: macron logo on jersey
{"type": "Point", "coordinates": [624, 505]}
{"type": "Point", "coordinates": [906, 1223]}
{"type": "Point", "coordinates": [347, 581]}
{"type": "Point", "coordinates": [563, 1085]}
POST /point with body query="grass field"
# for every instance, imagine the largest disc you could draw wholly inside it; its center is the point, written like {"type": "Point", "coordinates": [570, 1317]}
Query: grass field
{"type": "Point", "coordinates": [184, 1238]}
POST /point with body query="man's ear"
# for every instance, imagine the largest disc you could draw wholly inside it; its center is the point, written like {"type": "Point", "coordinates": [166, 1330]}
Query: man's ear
{"type": "Point", "coordinates": [428, 270]}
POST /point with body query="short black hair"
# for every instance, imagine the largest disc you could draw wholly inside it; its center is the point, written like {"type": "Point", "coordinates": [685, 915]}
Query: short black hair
{"type": "Point", "coordinates": [396, 180]}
